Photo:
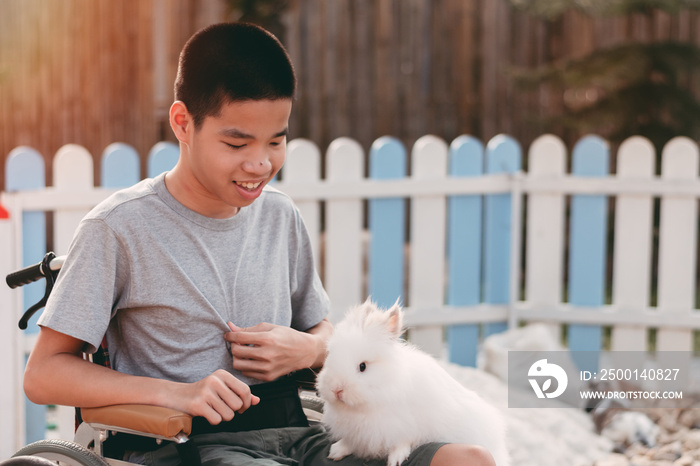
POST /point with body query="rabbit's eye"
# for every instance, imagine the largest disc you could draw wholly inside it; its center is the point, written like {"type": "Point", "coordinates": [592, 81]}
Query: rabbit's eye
{"type": "Point", "coordinates": [363, 366]}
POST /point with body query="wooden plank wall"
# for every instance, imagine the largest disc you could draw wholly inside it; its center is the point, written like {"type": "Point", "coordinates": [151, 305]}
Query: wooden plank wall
{"type": "Point", "coordinates": [406, 68]}
{"type": "Point", "coordinates": [66, 77]}
{"type": "Point", "coordinates": [82, 71]}
{"type": "Point", "coordinates": [94, 72]}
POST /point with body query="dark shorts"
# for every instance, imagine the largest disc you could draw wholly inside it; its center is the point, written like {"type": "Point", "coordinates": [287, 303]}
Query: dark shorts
{"type": "Point", "coordinates": [284, 446]}
{"type": "Point", "coordinates": [272, 433]}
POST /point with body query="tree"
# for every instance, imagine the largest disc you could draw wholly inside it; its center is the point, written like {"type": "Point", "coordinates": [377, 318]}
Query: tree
{"type": "Point", "coordinates": [631, 89]}
{"type": "Point", "coordinates": [264, 13]}
{"type": "Point", "coordinates": [552, 8]}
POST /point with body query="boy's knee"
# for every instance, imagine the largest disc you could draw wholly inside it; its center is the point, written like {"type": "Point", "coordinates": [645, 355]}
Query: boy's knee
{"type": "Point", "coordinates": [460, 454]}
{"type": "Point", "coordinates": [478, 455]}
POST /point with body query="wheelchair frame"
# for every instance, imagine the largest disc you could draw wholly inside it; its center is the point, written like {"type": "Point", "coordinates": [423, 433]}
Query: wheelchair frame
{"type": "Point", "coordinates": [98, 424]}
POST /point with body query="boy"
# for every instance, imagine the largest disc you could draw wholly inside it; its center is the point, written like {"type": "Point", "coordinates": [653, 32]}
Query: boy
{"type": "Point", "coordinates": [201, 280]}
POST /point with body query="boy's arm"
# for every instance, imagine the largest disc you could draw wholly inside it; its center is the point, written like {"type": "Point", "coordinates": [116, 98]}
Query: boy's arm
{"type": "Point", "coordinates": [267, 352]}
{"type": "Point", "coordinates": [56, 373]}
{"type": "Point", "coordinates": [322, 332]}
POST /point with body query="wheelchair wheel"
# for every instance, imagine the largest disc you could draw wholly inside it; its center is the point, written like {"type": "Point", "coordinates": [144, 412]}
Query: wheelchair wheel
{"type": "Point", "coordinates": [312, 403]}
{"type": "Point", "coordinates": [313, 408]}
{"type": "Point", "coordinates": [63, 452]}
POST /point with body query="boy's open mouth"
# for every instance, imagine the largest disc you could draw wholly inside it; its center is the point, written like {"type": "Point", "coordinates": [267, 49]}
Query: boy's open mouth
{"type": "Point", "coordinates": [251, 186]}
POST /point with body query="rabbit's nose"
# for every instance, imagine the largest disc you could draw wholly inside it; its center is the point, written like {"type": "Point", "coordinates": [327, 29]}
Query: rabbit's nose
{"type": "Point", "coordinates": [338, 392]}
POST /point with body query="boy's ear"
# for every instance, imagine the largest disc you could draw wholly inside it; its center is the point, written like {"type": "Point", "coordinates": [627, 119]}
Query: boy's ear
{"type": "Point", "coordinates": [180, 121]}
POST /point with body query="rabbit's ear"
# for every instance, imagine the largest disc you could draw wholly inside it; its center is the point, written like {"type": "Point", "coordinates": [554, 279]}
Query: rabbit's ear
{"type": "Point", "coordinates": [367, 308]}
{"type": "Point", "coordinates": [394, 320]}
{"type": "Point", "coordinates": [360, 315]}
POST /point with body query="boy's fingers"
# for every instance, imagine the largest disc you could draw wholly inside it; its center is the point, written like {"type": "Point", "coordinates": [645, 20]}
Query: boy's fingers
{"type": "Point", "coordinates": [234, 327]}
{"type": "Point", "coordinates": [261, 327]}
{"type": "Point", "coordinates": [253, 401]}
{"type": "Point", "coordinates": [224, 407]}
{"type": "Point", "coordinates": [243, 337]}
{"type": "Point", "coordinates": [248, 365]}
{"type": "Point", "coordinates": [244, 352]}
{"type": "Point", "coordinates": [242, 391]}
{"type": "Point", "coordinates": [257, 335]}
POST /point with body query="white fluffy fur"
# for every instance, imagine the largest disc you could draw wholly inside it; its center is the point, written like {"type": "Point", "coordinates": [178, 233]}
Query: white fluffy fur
{"type": "Point", "coordinates": [402, 400]}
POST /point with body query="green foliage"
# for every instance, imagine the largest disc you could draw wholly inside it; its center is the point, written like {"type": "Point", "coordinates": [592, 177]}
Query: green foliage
{"type": "Point", "coordinates": [552, 8]}
{"type": "Point", "coordinates": [614, 67]}
{"type": "Point", "coordinates": [630, 89]}
{"type": "Point", "coordinates": [626, 90]}
{"type": "Point", "coordinates": [264, 13]}
{"type": "Point", "coordinates": [256, 11]}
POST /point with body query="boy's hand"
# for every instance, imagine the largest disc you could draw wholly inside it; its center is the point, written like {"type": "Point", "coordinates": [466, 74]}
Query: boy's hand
{"type": "Point", "coordinates": [216, 397]}
{"type": "Point", "coordinates": [267, 352]}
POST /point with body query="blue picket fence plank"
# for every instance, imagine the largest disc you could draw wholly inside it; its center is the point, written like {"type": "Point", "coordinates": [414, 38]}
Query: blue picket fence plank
{"type": "Point", "coordinates": [162, 158]}
{"type": "Point", "coordinates": [503, 155]}
{"type": "Point", "coordinates": [24, 170]}
{"type": "Point", "coordinates": [466, 159]}
{"type": "Point", "coordinates": [120, 166]}
{"type": "Point", "coordinates": [387, 223]}
{"type": "Point", "coordinates": [587, 248]}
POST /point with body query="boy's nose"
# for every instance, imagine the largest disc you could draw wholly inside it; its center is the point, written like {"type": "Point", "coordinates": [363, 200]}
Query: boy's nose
{"type": "Point", "coordinates": [259, 165]}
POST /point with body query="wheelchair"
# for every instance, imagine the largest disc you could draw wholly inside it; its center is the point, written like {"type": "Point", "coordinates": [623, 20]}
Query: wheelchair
{"type": "Point", "coordinates": [96, 426]}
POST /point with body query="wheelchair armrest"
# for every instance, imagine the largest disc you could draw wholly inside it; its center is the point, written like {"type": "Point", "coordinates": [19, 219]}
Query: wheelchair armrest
{"type": "Point", "coordinates": [153, 421]}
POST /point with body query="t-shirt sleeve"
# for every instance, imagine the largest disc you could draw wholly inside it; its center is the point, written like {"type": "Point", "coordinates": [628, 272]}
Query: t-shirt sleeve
{"type": "Point", "coordinates": [90, 286]}
{"type": "Point", "coordinates": [310, 302]}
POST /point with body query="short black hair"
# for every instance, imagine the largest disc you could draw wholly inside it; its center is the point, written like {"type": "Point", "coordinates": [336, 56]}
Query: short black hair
{"type": "Point", "coordinates": [229, 62]}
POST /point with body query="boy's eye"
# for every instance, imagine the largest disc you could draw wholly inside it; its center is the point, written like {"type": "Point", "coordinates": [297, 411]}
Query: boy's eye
{"type": "Point", "coordinates": [233, 146]}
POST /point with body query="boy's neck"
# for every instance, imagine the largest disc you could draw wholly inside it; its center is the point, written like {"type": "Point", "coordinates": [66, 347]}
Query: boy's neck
{"type": "Point", "coordinates": [184, 191]}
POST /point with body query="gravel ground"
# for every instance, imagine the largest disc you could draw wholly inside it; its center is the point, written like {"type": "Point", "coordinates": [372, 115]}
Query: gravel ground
{"type": "Point", "coordinates": [650, 436]}
{"type": "Point", "coordinates": [678, 439]}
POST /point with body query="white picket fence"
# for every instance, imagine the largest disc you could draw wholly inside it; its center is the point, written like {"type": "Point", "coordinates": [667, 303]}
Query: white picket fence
{"type": "Point", "coordinates": [451, 240]}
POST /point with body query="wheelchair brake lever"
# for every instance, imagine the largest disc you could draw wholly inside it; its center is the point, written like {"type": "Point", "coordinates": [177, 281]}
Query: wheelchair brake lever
{"type": "Point", "coordinates": [50, 280]}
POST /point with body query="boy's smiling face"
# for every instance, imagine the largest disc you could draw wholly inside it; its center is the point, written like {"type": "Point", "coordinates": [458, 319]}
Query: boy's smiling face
{"type": "Point", "coordinates": [226, 162]}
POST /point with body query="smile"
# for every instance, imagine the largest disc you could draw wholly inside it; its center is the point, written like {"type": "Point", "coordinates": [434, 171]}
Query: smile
{"type": "Point", "coordinates": [248, 185]}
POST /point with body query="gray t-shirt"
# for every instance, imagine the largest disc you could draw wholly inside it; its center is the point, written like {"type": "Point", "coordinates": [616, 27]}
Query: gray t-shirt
{"type": "Point", "coordinates": [161, 281]}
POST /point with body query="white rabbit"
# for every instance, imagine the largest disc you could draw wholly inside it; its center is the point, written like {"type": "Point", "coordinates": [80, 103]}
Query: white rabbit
{"type": "Point", "coordinates": [384, 397]}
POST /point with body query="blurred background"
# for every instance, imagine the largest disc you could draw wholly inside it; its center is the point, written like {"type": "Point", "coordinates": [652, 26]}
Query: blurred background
{"type": "Point", "coordinates": [93, 72]}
